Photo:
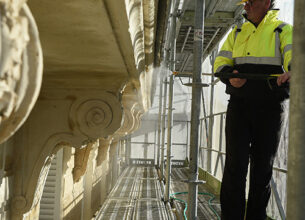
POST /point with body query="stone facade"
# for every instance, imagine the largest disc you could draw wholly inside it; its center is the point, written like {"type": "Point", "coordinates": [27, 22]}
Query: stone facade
{"type": "Point", "coordinates": [75, 76]}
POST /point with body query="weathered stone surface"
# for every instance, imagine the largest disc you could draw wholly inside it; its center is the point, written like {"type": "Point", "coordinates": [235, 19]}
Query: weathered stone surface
{"type": "Point", "coordinates": [81, 157]}
{"type": "Point", "coordinates": [97, 58]}
{"type": "Point", "coordinates": [96, 116]}
{"type": "Point", "coordinates": [35, 144]}
{"type": "Point", "coordinates": [103, 152]}
{"type": "Point", "coordinates": [20, 66]}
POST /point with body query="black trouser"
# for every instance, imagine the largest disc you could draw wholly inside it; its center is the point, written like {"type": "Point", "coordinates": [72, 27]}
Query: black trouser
{"type": "Point", "coordinates": [252, 132]}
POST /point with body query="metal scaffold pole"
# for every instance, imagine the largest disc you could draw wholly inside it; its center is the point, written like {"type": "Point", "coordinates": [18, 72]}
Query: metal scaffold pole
{"type": "Point", "coordinates": [162, 112]}
{"type": "Point", "coordinates": [172, 42]}
{"type": "Point", "coordinates": [211, 120]}
{"type": "Point", "coordinates": [159, 121]}
{"type": "Point", "coordinates": [126, 151]}
{"type": "Point", "coordinates": [162, 118]}
{"type": "Point", "coordinates": [128, 145]}
{"type": "Point", "coordinates": [169, 138]}
{"type": "Point", "coordinates": [163, 128]}
{"type": "Point", "coordinates": [296, 153]}
{"type": "Point", "coordinates": [195, 112]}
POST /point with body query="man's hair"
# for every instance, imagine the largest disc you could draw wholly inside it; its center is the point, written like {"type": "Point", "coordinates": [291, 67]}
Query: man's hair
{"type": "Point", "coordinates": [272, 3]}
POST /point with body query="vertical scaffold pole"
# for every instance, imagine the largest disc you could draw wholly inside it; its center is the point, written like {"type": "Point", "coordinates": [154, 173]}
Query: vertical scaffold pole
{"type": "Point", "coordinates": [163, 128]}
{"type": "Point", "coordinates": [169, 138]}
{"type": "Point", "coordinates": [159, 121]}
{"type": "Point", "coordinates": [162, 78]}
{"type": "Point", "coordinates": [128, 145]}
{"type": "Point", "coordinates": [195, 112]}
{"type": "Point", "coordinates": [172, 39]}
{"type": "Point", "coordinates": [166, 52]}
{"type": "Point", "coordinates": [296, 153]}
{"type": "Point", "coordinates": [125, 150]}
{"type": "Point", "coordinates": [211, 120]}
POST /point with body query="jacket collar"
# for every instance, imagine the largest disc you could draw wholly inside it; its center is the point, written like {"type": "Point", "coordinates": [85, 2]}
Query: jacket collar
{"type": "Point", "coordinates": [269, 17]}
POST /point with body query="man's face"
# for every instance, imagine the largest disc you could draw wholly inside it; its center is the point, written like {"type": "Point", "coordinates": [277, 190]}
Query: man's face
{"type": "Point", "coordinates": [256, 10]}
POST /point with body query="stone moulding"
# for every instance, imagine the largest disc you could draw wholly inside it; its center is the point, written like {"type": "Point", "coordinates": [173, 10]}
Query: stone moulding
{"type": "Point", "coordinates": [20, 66]}
{"type": "Point", "coordinates": [142, 18]}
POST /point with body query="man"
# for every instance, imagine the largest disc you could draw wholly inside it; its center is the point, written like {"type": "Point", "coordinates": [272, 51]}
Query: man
{"type": "Point", "coordinates": [262, 45]}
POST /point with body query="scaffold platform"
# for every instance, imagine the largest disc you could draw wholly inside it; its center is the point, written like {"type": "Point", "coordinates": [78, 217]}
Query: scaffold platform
{"type": "Point", "coordinates": [136, 195]}
{"type": "Point", "coordinates": [204, 210]}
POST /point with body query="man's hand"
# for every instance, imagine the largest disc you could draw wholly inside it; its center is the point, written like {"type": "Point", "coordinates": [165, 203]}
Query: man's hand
{"type": "Point", "coordinates": [237, 82]}
{"type": "Point", "coordinates": [283, 78]}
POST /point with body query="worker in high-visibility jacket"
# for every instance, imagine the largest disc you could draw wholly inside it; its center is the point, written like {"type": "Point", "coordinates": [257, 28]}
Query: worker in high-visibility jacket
{"type": "Point", "coordinates": [261, 45]}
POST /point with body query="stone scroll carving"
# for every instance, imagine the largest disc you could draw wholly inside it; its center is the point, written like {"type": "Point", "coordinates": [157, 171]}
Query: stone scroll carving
{"type": "Point", "coordinates": [137, 114]}
{"type": "Point", "coordinates": [131, 122]}
{"type": "Point", "coordinates": [128, 122]}
{"type": "Point", "coordinates": [96, 117]}
{"type": "Point", "coordinates": [130, 102]}
{"type": "Point", "coordinates": [20, 66]}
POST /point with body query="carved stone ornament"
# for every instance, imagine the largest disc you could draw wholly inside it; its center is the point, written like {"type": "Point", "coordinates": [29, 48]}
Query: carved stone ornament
{"type": "Point", "coordinates": [103, 151]}
{"type": "Point", "coordinates": [23, 203]}
{"type": "Point", "coordinates": [128, 122]}
{"type": "Point", "coordinates": [137, 113]}
{"type": "Point", "coordinates": [20, 65]}
{"type": "Point", "coordinates": [96, 117]}
{"type": "Point", "coordinates": [28, 188]}
{"type": "Point", "coordinates": [81, 157]}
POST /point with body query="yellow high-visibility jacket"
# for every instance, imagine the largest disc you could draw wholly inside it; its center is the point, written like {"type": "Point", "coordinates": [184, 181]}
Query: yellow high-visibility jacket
{"type": "Point", "coordinates": [265, 49]}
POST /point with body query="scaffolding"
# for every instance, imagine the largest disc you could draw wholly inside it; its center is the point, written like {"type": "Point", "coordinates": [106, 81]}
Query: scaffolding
{"type": "Point", "coordinates": [199, 164]}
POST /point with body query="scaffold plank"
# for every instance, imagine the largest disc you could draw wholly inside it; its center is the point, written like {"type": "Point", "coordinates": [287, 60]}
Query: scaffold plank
{"type": "Point", "coordinates": [150, 209]}
{"type": "Point", "coordinates": [204, 211]}
{"type": "Point", "coordinates": [136, 195]}
{"type": "Point", "coordinates": [116, 209]}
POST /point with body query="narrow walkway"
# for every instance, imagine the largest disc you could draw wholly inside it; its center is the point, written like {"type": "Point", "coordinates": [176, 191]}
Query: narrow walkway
{"type": "Point", "coordinates": [204, 211]}
{"type": "Point", "coordinates": [136, 195]}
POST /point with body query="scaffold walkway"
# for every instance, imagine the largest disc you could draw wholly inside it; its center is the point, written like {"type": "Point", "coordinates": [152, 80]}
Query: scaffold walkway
{"type": "Point", "coordinates": [204, 210]}
{"type": "Point", "coordinates": [136, 195]}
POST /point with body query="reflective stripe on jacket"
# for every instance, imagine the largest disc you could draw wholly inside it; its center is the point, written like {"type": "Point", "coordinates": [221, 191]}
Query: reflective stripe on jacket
{"type": "Point", "coordinates": [263, 49]}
